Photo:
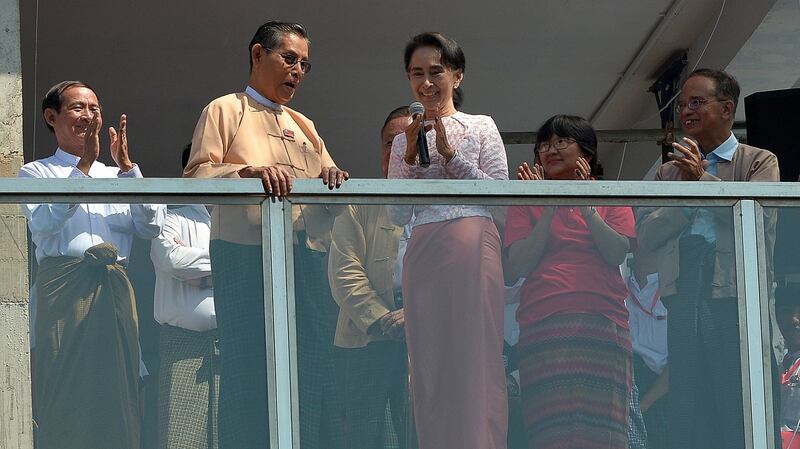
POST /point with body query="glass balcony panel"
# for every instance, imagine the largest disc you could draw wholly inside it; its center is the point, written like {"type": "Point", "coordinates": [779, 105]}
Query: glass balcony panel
{"type": "Point", "coordinates": [781, 224]}
{"type": "Point", "coordinates": [437, 344]}
{"type": "Point", "coordinates": [504, 326]}
{"type": "Point", "coordinates": [146, 325]}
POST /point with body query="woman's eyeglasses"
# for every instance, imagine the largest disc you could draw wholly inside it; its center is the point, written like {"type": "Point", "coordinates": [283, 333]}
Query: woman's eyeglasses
{"type": "Point", "coordinates": [559, 144]}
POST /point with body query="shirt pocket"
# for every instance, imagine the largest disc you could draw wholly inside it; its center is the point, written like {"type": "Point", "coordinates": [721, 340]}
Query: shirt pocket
{"type": "Point", "coordinates": [311, 159]}
{"type": "Point", "coordinates": [382, 271]}
{"type": "Point", "coordinates": [659, 311]}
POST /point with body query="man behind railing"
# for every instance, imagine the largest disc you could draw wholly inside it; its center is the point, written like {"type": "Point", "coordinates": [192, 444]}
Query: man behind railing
{"type": "Point", "coordinates": [253, 134]}
{"type": "Point", "coordinates": [365, 274]}
{"type": "Point", "coordinates": [87, 361]}
{"type": "Point", "coordinates": [694, 248]}
{"type": "Point", "coordinates": [188, 384]}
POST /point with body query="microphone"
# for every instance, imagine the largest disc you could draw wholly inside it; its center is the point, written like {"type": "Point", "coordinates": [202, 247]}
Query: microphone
{"type": "Point", "coordinates": [416, 108]}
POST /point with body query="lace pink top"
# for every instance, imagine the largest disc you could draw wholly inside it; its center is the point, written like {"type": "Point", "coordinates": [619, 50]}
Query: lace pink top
{"type": "Point", "coordinates": [480, 154]}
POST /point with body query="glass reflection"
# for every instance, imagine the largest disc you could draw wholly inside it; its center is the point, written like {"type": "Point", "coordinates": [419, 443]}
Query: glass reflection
{"type": "Point", "coordinates": [786, 342]}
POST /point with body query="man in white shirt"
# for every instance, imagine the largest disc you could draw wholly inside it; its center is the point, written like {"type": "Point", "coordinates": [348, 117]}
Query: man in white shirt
{"type": "Point", "coordinates": [87, 361]}
{"type": "Point", "coordinates": [184, 306]}
{"type": "Point", "coordinates": [647, 318]}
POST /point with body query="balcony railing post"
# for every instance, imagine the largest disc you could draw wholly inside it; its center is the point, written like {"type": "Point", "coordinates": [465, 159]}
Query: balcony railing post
{"type": "Point", "coordinates": [279, 325]}
{"type": "Point", "coordinates": [750, 276]}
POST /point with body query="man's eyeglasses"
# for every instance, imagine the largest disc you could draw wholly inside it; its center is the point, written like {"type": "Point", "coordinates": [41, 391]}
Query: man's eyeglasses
{"type": "Point", "coordinates": [559, 144]}
{"type": "Point", "coordinates": [695, 103]}
{"type": "Point", "coordinates": [291, 59]}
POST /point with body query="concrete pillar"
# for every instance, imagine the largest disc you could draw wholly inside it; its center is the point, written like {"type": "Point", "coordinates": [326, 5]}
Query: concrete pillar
{"type": "Point", "coordinates": [16, 422]}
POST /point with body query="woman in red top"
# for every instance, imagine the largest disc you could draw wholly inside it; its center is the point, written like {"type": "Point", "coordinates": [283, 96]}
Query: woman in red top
{"type": "Point", "coordinates": [575, 349]}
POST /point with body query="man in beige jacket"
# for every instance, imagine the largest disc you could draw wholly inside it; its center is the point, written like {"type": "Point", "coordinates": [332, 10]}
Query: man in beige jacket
{"type": "Point", "coordinates": [253, 134]}
{"type": "Point", "coordinates": [364, 273]}
{"type": "Point", "coordinates": [696, 263]}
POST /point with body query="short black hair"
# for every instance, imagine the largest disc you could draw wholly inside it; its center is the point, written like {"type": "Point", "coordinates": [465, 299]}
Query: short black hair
{"type": "Point", "coordinates": [269, 35]}
{"type": "Point", "coordinates": [401, 111]}
{"type": "Point", "coordinates": [573, 127]}
{"type": "Point", "coordinates": [187, 151]}
{"type": "Point", "coordinates": [53, 98]}
{"type": "Point", "coordinates": [726, 86]}
{"type": "Point", "coordinates": [452, 56]}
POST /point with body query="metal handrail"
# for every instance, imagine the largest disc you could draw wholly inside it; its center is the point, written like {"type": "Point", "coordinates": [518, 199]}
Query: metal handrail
{"type": "Point", "coordinates": [250, 191]}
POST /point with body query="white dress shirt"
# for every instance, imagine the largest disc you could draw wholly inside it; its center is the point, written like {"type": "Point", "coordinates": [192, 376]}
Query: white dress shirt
{"type": "Point", "coordinates": [71, 229]}
{"type": "Point", "coordinates": [648, 322]}
{"type": "Point", "coordinates": [397, 275]}
{"type": "Point", "coordinates": [177, 302]}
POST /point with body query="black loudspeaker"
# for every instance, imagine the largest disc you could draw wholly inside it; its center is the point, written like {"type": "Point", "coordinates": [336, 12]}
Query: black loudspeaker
{"type": "Point", "coordinates": [773, 123]}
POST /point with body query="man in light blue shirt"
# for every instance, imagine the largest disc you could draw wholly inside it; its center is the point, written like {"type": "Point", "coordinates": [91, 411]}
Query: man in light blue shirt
{"type": "Point", "coordinates": [703, 218]}
{"type": "Point", "coordinates": [694, 252]}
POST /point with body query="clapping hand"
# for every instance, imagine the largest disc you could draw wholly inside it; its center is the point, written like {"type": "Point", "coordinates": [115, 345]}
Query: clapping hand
{"type": "Point", "coordinates": [119, 145]}
{"type": "Point", "coordinates": [442, 145]}
{"type": "Point", "coordinates": [688, 159]}
{"type": "Point", "coordinates": [525, 173]}
{"type": "Point", "coordinates": [584, 170]}
{"type": "Point", "coordinates": [584, 173]}
{"type": "Point", "coordinates": [91, 143]}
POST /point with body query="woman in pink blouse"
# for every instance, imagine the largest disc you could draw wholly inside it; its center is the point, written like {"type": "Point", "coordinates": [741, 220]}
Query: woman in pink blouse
{"type": "Point", "coordinates": [452, 278]}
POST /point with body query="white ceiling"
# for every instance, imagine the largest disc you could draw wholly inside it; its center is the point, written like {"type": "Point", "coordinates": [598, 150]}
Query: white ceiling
{"type": "Point", "coordinates": [770, 59]}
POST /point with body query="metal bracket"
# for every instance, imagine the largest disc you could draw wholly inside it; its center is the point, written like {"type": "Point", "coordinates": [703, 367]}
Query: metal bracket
{"type": "Point", "coordinates": [665, 88]}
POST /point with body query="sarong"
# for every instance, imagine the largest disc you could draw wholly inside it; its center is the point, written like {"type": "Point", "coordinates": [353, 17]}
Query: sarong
{"type": "Point", "coordinates": [705, 372]}
{"type": "Point", "coordinates": [188, 400]}
{"type": "Point", "coordinates": [576, 372]}
{"type": "Point", "coordinates": [453, 300]}
{"type": "Point", "coordinates": [375, 377]}
{"type": "Point", "coordinates": [87, 353]}
{"type": "Point", "coordinates": [321, 406]}
{"type": "Point", "coordinates": [239, 305]}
